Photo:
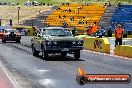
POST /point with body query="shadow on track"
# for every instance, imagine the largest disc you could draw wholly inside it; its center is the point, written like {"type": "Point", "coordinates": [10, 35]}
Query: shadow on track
{"type": "Point", "coordinates": [59, 58]}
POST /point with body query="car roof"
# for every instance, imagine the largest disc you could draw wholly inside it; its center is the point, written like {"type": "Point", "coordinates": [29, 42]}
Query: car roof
{"type": "Point", "coordinates": [53, 28]}
{"type": "Point", "coordinates": [10, 29]}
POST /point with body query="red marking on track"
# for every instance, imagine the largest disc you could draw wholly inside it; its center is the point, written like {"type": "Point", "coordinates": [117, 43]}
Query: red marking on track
{"type": "Point", "coordinates": [4, 80]}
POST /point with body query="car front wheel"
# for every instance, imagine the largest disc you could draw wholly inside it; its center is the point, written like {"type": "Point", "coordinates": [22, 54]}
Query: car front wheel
{"type": "Point", "coordinates": [4, 41]}
{"type": "Point", "coordinates": [63, 54]}
{"type": "Point", "coordinates": [35, 52]}
{"type": "Point", "coordinates": [44, 54]}
{"type": "Point", "coordinates": [77, 55]}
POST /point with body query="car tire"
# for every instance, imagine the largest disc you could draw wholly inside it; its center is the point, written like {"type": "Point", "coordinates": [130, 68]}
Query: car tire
{"type": "Point", "coordinates": [100, 36]}
{"type": "Point", "coordinates": [4, 41]}
{"type": "Point", "coordinates": [63, 54]}
{"type": "Point", "coordinates": [77, 55]}
{"type": "Point", "coordinates": [35, 52]}
{"type": "Point", "coordinates": [45, 55]}
{"type": "Point", "coordinates": [18, 41]}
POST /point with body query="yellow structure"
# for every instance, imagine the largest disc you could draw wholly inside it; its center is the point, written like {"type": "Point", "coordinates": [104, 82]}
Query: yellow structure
{"type": "Point", "coordinates": [81, 13]}
{"type": "Point", "coordinates": [123, 50]}
{"type": "Point", "coordinates": [96, 44]}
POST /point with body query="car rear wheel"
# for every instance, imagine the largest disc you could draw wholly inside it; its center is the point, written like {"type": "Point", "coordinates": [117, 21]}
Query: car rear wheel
{"type": "Point", "coordinates": [4, 41]}
{"type": "Point", "coordinates": [77, 55]}
{"type": "Point", "coordinates": [35, 52]}
{"type": "Point", "coordinates": [63, 54]}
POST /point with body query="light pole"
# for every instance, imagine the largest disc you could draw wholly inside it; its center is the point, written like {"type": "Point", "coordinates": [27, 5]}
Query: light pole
{"type": "Point", "coordinates": [18, 13]}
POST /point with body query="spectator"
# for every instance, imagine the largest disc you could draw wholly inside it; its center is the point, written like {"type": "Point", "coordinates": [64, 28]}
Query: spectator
{"type": "Point", "coordinates": [59, 16]}
{"type": "Point", "coordinates": [43, 3]}
{"type": "Point", "coordinates": [65, 25]}
{"type": "Point", "coordinates": [63, 4]}
{"type": "Point", "coordinates": [67, 4]}
{"type": "Point", "coordinates": [94, 29]}
{"type": "Point", "coordinates": [10, 22]}
{"type": "Point", "coordinates": [58, 8]}
{"type": "Point", "coordinates": [83, 17]}
{"type": "Point", "coordinates": [118, 35]}
{"type": "Point", "coordinates": [64, 16]}
{"type": "Point", "coordinates": [81, 22]}
{"type": "Point", "coordinates": [86, 22]}
{"type": "Point", "coordinates": [109, 4]}
{"type": "Point", "coordinates": [119, 4]}
{"type": "Point", "coordinates": [89, 30]}
{"type": "Point", "coordinates": [69, 10]}
{"type": "Point", "coordinates": [74, 32]}
{"type": "Point", "coordinates": [72, 18]}
{"type": "Point", "coordinates": [105, 5]}
{"type": "Point", "coordinates": [48, 4]}
{"type": "Point", "coordinates": [40, 12]}
{"type": "Point", "coordinates": [125, 33]}
{"type": "Point", "coordinates": [109, 33]}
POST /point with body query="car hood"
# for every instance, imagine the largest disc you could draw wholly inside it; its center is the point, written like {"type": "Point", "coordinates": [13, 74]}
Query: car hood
{"type": "Point", "coordinates": [66, 38]}
{"type": "Point", "coordinates": [9, 33]}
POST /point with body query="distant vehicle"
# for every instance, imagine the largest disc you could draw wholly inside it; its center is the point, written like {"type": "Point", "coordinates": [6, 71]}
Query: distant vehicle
{"type": "Point", "coordinates": [11, 35]}
{"type": "Point", "coordinates": [35, 3]}
{"type": "Point", "coordinates": [1, 33]}
{"type": "Point", "coordinates": [28, 3]}
{"type": "Point", "coordinates": [2, 29]}
{"type": "Point", "coordinates": [101, 33]}
{"type": "Point", "coordinates": [52, 40]}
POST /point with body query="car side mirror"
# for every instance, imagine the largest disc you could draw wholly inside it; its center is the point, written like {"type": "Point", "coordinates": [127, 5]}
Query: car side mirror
{"type": "Point", "coordinates": [35, 34]}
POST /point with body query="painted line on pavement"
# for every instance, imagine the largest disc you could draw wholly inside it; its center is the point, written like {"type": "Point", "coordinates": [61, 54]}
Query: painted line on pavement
{"type": "Point", "coordinates": [10, 77]}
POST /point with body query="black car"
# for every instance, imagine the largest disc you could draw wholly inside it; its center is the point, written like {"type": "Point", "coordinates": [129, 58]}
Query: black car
{"type": "Point", "coordinates": [101, 33]}
{"type": "Point", "coordinates": [56, 40]}
{"type": "Point", "coordinates": [11, 35]}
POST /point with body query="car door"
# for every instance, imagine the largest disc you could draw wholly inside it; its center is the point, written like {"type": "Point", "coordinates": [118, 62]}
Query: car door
{"type": "Point", "coordinates": [38, 41]}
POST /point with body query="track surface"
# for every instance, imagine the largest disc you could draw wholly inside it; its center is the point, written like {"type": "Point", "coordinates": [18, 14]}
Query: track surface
{"type": "Point", "coordinates": [33, 72]}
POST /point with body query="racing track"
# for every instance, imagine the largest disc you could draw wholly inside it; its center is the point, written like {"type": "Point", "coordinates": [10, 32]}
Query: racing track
{"type": "Point", "coordinates": [33, 72]}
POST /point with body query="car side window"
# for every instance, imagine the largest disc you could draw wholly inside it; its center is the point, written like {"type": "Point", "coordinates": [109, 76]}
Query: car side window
{"type": "Point", "coordinates": [38, 34]}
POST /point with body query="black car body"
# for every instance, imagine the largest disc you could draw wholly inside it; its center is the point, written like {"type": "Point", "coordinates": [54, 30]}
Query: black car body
{"type": "Point", "coordinates": [101, 33]}
{"type": "Point", "coordinates": [52, 40]}
{"type": "Point", "coordinates": [11, 35]}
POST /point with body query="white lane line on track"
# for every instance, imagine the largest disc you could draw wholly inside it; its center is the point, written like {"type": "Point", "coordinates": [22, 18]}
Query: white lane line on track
{"type": "Point", "coordinates": [110, 55]}
{"type": "Point", "coordinates": [10, 77]}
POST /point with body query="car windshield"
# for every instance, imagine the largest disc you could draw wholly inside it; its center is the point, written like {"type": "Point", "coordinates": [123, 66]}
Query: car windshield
{"type": "Point", "coordinates": [57, 32]}
{"type": "Point", "coordinates": [10, 30]}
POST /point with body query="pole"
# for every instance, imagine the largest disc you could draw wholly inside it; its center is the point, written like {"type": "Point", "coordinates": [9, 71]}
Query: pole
{"type": "Point", "coordinates": [32, 23]}
{"type": "Point", "coordinates": [0, 22]}
{"type": "Point", "coordinates": [18, 13]}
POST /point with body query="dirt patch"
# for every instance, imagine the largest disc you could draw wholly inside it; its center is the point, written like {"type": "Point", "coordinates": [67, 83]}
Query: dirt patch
{"type": "Point", "coordinates": [11, 12]}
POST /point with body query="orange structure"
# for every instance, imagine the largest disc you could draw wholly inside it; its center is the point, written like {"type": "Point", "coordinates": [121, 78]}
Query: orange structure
{"type": "Point", "coordinates": [83, 15]}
